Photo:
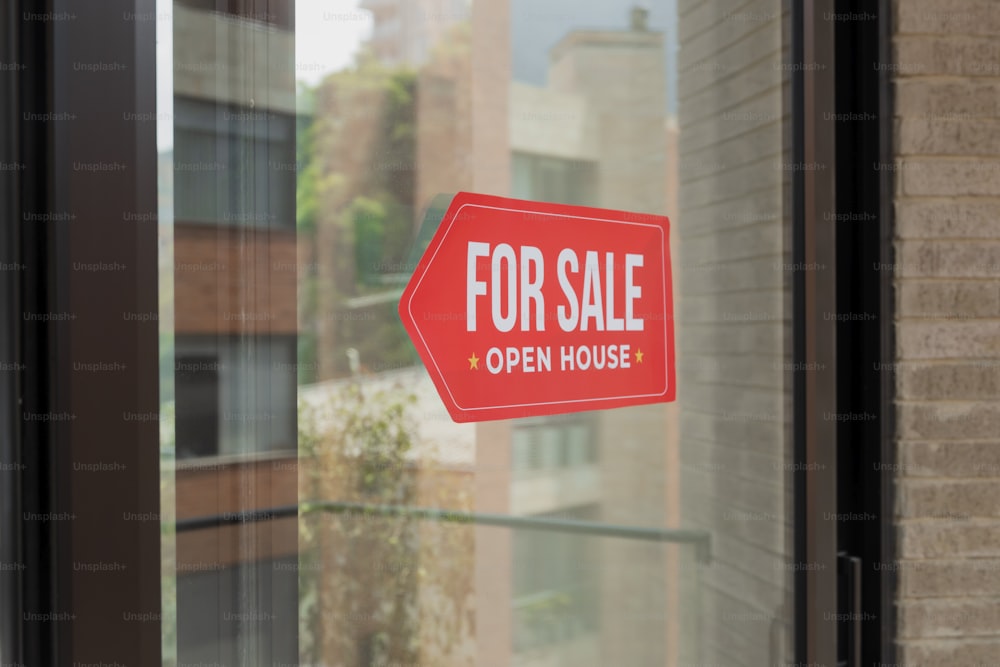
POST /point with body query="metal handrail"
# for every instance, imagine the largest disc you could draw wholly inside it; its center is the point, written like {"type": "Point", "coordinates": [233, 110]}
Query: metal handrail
{"type": "Point", "coordinates": [699, 538]}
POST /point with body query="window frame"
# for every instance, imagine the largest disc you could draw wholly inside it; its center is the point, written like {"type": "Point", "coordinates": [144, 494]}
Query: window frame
{"type": "Point", "coordinates": [68, 609]}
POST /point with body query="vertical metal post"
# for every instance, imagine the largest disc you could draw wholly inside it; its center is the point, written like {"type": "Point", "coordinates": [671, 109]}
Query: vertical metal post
{"type": "Point", "coordinates": [103, 273]}
{"type": "Point", "coordinates": [10, 256]}
{"type": "Point", "coordinates": [818, 636]}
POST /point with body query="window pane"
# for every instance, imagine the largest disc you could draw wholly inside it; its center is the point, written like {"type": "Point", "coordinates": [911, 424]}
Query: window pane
{"type": "Point", "coordinates": [311, 157]}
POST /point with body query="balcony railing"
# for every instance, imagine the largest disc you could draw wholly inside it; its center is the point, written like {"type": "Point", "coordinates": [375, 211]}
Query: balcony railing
{"type": "Point", "coordinates": [701, 540]}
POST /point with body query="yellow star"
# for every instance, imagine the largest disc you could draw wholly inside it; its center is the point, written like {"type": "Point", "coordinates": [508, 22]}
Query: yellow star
{"type": "Point", "coordinates": [473, 362]}
{"type": "Point", "coordinates": [638, 356]}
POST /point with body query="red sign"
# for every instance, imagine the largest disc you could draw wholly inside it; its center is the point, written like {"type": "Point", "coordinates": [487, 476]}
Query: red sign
{"type": "Point", "coordinates": [523, 308]}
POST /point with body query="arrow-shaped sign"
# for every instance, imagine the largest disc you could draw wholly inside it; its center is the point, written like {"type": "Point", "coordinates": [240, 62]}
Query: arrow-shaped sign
{"type": "Point", "coordinates": [523, 308]}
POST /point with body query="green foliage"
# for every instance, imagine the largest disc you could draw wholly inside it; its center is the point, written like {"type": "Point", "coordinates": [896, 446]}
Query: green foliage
{"type": "Point", "coordinates": [307, 364]}
{"type": "Point", "coordinates": [306, 198]}
{"type": "Point", "coordinates": [367, 218]}
{"type": "Point", "coordinates": [306, 185]}
{"type": "Point", "coordinates": [369, 581]}
{"type": "Point", "coordinates": [355, 208]}
{"type": "Point", "coordinates": [374, 589]}
{"type": "Point", "coordinates": [360, 442]}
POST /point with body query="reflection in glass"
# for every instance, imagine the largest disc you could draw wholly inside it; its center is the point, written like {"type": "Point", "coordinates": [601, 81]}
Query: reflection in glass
{"type": "Point", "coordinates": [313, 154]}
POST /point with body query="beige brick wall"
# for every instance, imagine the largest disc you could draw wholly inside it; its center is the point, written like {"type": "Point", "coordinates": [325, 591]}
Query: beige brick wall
{"type": "Point", "coordinates": [947, 277]}
{"type": "Point", "coordinates": [731, 244]}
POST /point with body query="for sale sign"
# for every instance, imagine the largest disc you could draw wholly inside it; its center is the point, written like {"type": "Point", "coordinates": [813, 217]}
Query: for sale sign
{"type": "Point", "coordinates": [522, 308]}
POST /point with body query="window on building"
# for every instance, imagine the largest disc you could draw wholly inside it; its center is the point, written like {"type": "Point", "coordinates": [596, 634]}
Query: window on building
{"type": "Point", "coordinates": [556, 591]}
{"type": "Point", "coordinates": [222, 395]}
{"type": "Point", "coordinates": [233, 165]}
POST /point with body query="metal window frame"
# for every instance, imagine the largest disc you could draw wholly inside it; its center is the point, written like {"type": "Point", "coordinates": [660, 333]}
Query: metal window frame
{"type": "Point", "coordinates": [11, 603]}
{"type": "Point", "coordinates": [814, 347]}
{"type": "Point", "coordinates": [815, 339]}
{"type": "Point", "coordinates": [65, 609]}
{"type": "Point", "coordinates": [29, 589]}
{"type": "Point", "coordinates": [866, 346]}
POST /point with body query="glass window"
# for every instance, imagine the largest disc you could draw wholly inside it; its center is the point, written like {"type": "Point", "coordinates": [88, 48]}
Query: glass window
{"type": "Point", "coordinates": [327, 509]}
{"type": "Point", "coordinates": [213, 385]}
{"type": "Point", "coordinates": [216, 147]}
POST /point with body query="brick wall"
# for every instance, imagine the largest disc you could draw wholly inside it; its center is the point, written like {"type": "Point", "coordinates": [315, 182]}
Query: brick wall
{"type": "Point", "coordinates": [947, 276]}
{"type": "Point", "coordinates": [229, 280]}
{"type": "Point", "coordinates": [213, 487]}
{"type": "Point", "coordinates": [733, 328]}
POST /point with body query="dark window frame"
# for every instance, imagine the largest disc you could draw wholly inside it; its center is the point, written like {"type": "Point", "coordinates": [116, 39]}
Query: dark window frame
{"type": "Point", "coordinates": [865, 346]}
{"type": "Point", "coordinates": [814, 344]}
{"type": "Point", "coordinates": [66, 215]}
{"type": "Point", "coordinates": [833, 80]}
{"type": "Point", "coordinates": [25, 447]}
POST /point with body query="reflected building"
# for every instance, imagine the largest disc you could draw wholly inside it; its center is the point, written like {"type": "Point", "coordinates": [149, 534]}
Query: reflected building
{"type": "Point", "coordinates": [325, 236]}
{"type": "Point", "coordinates": [235, 328]}
{"type": "Point", "coordinates": [406, 31]}
{"type": "Point", "coordinates": [589, 138]}
{"type": "Point", "coordinates": [597, 134]}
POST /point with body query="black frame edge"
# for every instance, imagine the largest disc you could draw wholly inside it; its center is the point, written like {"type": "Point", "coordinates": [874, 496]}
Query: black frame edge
{"type": "Point", "coordinates": [799, 456]}
{"type": "Point", "coordinates": [38, 540]}
{"type": "Point", "coordinates": [11, 603]}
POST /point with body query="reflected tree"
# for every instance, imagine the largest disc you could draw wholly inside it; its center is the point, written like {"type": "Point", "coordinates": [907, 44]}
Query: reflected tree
{"type": "Point", "coordinates": [374, 589]}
